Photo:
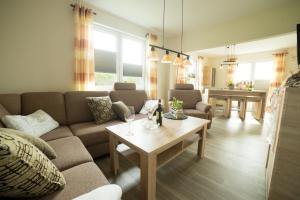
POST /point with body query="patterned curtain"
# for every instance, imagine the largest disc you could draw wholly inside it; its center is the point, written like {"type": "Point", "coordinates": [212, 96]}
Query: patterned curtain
{"type": "Point", "coordinates": [84, 51]}
{"type": "Point", "coordinates": [180, 74]}
{"type": "Point", "coordinates": [278, 74]}
{"type": "Point", "coordinates": [152, 92]}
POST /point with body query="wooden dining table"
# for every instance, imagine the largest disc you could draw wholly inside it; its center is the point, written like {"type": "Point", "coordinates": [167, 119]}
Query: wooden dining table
{"type": "Point", "coordinates": [258, 97]}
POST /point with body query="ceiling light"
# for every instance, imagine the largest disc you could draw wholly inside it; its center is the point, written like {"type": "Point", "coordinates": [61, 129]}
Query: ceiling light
{"type": "Point", "coordinates": [167, 58]}
{"type": "Point", "coordinates": [178, 60]}
{"type": "Point", "coordinates": [187, 61]}
{"type": "Point", "coordinates": [153, 55]}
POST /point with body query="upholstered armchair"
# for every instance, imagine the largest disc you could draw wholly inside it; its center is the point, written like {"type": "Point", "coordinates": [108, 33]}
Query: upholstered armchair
{"type": "Point", "coordinates": [192, 101]}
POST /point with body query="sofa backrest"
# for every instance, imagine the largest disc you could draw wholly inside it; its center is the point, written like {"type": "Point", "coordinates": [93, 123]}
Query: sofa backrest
{"type": "Point", "coordinates": [52, 103]}
{"type": "Point", "coordinates": [77, 109]}
{"type": "Point", "coordinates": [127, 93]}
{"type": "Point", "coordinates": [188, 95]}
{"type": "Point", "coordinates": [11, 102]}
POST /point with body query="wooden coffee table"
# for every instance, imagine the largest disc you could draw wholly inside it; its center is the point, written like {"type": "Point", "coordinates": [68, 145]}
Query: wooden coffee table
{"type": "Point", "coordinates": [151, 149]}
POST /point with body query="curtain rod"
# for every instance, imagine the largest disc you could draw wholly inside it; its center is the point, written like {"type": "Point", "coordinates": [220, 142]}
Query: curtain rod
{"type": "Point", "coordinates": [73, 6]}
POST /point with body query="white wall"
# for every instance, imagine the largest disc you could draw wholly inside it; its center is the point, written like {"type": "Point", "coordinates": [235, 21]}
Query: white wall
{"type": "Point", "coordinates": [221, 74]}
{"type": "Point", "coordinates": [272, 22]}
{"type": "Point", "coordinates": [36, 37]}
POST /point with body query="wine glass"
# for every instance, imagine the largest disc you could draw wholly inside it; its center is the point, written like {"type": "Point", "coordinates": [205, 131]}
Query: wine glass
{"type": "Point", "coordinates": [129, 117]}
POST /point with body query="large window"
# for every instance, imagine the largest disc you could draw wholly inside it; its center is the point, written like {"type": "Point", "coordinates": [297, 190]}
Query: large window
{"type": "Point", "coordinates": [243, 72]}
{"type": "Point", "coordinates": [118, 57]}
{"type": "Point", "coordinates": [264, 70]}
{"type": "Point", "coordinates": [191, 73]}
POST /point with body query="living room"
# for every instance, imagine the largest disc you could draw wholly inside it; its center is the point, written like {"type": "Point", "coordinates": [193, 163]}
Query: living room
{"type": "Point", "coordinates": [161, 99]}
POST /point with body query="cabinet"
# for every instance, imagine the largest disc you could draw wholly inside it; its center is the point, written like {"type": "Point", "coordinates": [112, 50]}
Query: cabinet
{"type": "Point", "coordinates": [282, 127]}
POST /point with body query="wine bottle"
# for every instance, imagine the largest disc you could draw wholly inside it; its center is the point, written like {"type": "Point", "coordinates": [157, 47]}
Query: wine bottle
{"type": "Point", "coordinates": [159, 113]}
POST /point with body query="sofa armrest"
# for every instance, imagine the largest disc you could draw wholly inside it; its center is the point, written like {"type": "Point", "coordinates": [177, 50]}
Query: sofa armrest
{"type": "Point", "coordinates": [106, 192]}
{"type": "Point", "coordinates": [203, 107]}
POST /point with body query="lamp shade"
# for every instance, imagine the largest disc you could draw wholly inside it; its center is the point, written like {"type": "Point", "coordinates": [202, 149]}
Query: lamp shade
{"type": "Point", "coordinates": [153, 55]}
{"type": "Point", "coordinates": [167, 58]}
{"type": "Point", "coordinates": [178, 60]}
{"type": "Point", "coordinates": [187, 62]}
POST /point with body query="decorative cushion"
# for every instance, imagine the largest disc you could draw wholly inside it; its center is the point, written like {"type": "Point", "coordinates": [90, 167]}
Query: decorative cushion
{"type": "Point", "coordinates": [35, 124]}
{"type": "Point", "coordinates": [24, 170]}
{"type": "Point", "coordinates": [39, 143]}
{"type": "Point", "coordinates": [149, 106]}
{"type": "Point", "coordinates": [101, 108]}
{"type": "Point", "coordinates": [120, 109]}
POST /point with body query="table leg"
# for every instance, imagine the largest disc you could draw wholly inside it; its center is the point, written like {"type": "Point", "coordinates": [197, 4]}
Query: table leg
{"type": "Point", "coordinates": [201, 143]}
{"type": "Point", "coordinates": [114, 159]}
{"type": "Point", "coordinates": [243, 109]}
{"type": "Point", "coordinates": [148, 164]}
{"type": "Point", "coordinates": [227, 111]}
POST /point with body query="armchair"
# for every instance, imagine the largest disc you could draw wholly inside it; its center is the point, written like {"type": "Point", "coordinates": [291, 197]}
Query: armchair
{"type": "Point", "coordinates": [192, 101]}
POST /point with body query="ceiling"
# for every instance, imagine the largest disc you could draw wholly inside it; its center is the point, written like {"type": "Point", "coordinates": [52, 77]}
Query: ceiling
{"type": "Point", "coordinates": [269, 44]}
{"type": "Point", "coordinates": [197, 13]}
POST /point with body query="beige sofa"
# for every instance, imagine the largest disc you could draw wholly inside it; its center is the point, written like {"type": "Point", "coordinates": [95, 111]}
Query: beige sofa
{"type": "Point", "coordinates": [192, 101]}
{"type": "Point", "coordinates": [78, 139]}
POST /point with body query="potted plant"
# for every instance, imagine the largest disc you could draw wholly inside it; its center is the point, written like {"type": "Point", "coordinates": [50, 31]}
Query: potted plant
{"type": "Point", "coordinates": [176, 106]}
{"type": "Point", "coordinates": [230, 85]}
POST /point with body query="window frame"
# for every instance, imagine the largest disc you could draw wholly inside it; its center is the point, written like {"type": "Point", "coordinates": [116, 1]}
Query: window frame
{"type": "Point", "coordinates": [119, 53]}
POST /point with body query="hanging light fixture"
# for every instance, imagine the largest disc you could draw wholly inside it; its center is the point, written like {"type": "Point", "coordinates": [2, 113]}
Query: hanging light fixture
{"type": "Point", "coordinates": [153, 55]}
{"type": "Point", "coordinates": [230, 60]}
{"type": "Point", "coordinates": [181, 58]}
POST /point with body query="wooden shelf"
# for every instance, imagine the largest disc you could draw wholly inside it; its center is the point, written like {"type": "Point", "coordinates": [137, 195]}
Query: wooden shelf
{"type": "Point", "coordinates": [162, 158]}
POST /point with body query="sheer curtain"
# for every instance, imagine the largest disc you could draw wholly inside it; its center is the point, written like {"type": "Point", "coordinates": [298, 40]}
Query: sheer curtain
{"type": "Point", "coordinates": [84, 51]}
{"type": "Point", "coordinates": [181, 78]}
{"type": "Point", "coordinates": [278, 74]}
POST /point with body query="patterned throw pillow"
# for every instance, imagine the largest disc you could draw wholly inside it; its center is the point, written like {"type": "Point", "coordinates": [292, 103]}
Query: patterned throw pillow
{"type": "Point", "coordinates": [101, 107]}
{"type": "Point", "coordinates": [39, 143]}
{"type": "Point", "coordinates": [24, 170]}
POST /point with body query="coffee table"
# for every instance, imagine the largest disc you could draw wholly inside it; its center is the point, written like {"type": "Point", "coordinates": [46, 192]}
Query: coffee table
{"type": "Point", "coordinates": [151, 149]}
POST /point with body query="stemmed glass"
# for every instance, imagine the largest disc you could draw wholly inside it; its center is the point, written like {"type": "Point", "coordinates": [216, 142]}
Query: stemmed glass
{"type": "Point", "coordinates": [129, 117]}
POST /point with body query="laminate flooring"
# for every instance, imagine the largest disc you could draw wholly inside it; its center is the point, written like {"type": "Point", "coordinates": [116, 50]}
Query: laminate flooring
{"type": "Point", "coordinates": [233, 167]}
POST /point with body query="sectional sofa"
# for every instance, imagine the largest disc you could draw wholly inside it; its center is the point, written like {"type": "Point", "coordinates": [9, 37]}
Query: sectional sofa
{"type": "Point", "coordinates": [78, 139]}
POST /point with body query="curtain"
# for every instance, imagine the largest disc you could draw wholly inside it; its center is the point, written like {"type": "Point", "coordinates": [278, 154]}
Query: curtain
{"type": "Point", "coordinates": [180, 74]}
{"type": "Point", "coordinates": [84, 51]}
{"type": "Point", "coordinates": [152, 91]}
{"type": "Point", "coordinates": [278, 74]}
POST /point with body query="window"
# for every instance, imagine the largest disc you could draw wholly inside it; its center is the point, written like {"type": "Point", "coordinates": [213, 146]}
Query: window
{"type": "Point", "coordinates": [243, 72]}
{"type": "Point", "coordinates": [264, 70]}
{"type": "Point", "coordinates": [190, 72]}
{"type": "Point", "coordinates": [118, 57]}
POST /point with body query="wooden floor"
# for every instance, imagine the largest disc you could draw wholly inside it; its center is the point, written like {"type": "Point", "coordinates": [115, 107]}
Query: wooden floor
{"type": "Point", "coordinates": [233, 167]}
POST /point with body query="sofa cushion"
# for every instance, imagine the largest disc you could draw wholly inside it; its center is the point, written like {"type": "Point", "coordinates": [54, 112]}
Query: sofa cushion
{"type": "Point", "coordinates": [90, 133]}
{"type": "Point", "coordinates": [24, 170]}
{"type": "Point", "coordinates": [11, 102]}
{"type": "Point", "coordinates": [101, 108]}
{"type": "Point", "coordinates": [60, 132]}
{"type": "Point", "coordinates": [106, 192]}
{"type": "Point", "coordinates": [195, 113]}
{"type": "Point", "coordinates": [3, 112]}
{"type": "Point", "coordinates": [124, 86]}
{"type": "Point", "coordinates": [184, 86]}
{"type": "Point", "coordinates": [70, 152]}
{"type": "Point", "coordinates": [134, 98]}
{"type": "Point", "coordinates": [80, 180]}
{"type": "Point", "coordinates": [189, 97]}
{"type": "Point", "coordinates": [51, 102]}
{"type": "Point", "coordinates": [76, 107]}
